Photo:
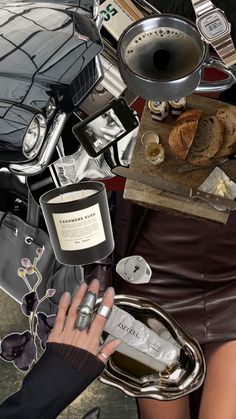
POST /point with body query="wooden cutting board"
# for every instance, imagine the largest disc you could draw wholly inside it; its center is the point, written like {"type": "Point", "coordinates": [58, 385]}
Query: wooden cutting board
{"type": "Point", "coordinates": [155, 198]}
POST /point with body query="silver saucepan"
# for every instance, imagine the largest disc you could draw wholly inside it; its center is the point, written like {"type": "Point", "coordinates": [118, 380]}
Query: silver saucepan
{"type": "Point", "coordinates": [163, 57]}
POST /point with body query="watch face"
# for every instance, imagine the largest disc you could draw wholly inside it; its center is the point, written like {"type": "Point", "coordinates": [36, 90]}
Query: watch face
{"type": "Point", "coordinates": [213, 25]}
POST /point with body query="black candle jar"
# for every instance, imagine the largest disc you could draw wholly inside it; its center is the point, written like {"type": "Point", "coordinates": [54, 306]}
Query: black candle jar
{"type": "Point", "coordinates": [78, 221]}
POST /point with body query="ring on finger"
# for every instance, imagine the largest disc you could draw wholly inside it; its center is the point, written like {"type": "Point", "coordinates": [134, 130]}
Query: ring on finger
{"type": "Point", "coordinates": [103, 354]}
{"type": "Point", "coordinates": [85, 310]}
{"type": "Point", "coordinates": [104, 311]}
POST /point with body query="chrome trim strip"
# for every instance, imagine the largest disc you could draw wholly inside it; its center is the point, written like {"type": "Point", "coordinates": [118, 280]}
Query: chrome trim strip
{"type": "Point", "coordinates": [98, 20]}
{"type": "Point", "coordinates": [99, 66]}
{"type": "Point", "coordinates": [36, 166]}
{"type": "Point", "coordinates": [96, 4]}
{"type": "Point", "coordinates": [148, 7]}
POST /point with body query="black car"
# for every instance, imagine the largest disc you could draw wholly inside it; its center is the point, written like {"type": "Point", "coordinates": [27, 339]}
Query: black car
{"type": "Point", "coordinates": [49, 63]}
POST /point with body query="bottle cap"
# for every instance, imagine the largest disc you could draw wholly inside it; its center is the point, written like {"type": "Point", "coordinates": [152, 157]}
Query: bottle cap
{"type": "Point", "coordinates": [177, 106]}
{"type": "Point", "coordinates": [159, 110]}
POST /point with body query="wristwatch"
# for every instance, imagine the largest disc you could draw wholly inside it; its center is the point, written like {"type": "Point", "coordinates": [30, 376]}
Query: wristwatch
{"type": "Point", "coordinates": [215, 29]}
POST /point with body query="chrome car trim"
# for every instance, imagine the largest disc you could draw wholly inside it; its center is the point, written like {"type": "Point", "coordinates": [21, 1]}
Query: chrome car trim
{"type": "Point", "coordinates": [99, 67]}
{"type": "Point", "coordinates": [98, 21]}
{"type": "Point", "coordinates": [37, 165]}
{"type": "Point", "coordinates": [148, 7]}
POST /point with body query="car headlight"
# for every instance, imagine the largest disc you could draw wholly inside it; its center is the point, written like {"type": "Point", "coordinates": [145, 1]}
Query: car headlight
{"type": "Point", "coordinates": [34, 136]}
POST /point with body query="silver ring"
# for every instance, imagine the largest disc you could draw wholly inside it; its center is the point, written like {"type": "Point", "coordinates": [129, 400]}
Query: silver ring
{"type": "Point", "coordinates": [85, 310]}
{"type": "Point", "coordinates": [104, 355]}
{"type": "Point", "coordinates": [104, 311]}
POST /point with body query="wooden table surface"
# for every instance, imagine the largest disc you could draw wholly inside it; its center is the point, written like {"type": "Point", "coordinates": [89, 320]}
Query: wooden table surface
{"type": "Point", "coordinates": [156, 198]}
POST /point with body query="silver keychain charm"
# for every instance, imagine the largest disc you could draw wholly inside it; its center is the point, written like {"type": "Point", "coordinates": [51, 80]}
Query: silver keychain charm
{"type": "Point", "coordinates": [134, 269]}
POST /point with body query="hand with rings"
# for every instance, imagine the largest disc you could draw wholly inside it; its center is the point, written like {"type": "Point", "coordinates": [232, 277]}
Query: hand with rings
{"type": "Point", "coordinates": [75, 324]}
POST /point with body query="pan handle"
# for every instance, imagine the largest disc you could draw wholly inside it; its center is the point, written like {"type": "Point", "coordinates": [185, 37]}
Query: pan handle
{"type": "Point", "coordinates": [218, 85]}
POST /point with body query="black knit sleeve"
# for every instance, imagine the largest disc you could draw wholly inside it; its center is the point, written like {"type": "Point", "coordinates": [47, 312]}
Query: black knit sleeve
{"type": "Point", "coordinates": [59, 376]}
{"type": "Point", "coordinates": [87, 364]}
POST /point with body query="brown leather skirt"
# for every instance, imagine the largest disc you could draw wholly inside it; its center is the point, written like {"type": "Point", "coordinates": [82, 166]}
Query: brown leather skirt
{"type": "Point", "coordinates": [193, 272]}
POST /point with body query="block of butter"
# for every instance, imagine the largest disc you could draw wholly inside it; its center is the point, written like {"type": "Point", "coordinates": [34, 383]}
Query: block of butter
{"type": "Point", "coordinates": [218, 183]}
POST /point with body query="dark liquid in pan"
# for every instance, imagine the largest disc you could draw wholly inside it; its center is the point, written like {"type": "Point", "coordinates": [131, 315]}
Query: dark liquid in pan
{"type": "Point", "coordinates": [163, 54]}
{"type": "Point", "coordinates": [161, 59]}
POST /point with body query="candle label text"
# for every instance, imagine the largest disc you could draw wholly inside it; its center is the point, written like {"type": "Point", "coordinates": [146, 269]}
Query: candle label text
{"type": "Point", "coordinates": [80, 229]}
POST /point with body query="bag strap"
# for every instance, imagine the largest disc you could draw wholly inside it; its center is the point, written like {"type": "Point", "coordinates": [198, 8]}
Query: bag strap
{"type": "Point", "coordinates": [33, 211]}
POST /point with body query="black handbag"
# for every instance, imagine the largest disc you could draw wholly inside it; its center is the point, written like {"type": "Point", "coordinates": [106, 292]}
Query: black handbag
{"type": "Point", "coordinates": [19, 241]}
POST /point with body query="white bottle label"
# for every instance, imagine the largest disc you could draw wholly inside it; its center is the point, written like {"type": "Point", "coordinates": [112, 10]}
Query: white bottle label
{"type": "Point", "coordinates": [80, 229]}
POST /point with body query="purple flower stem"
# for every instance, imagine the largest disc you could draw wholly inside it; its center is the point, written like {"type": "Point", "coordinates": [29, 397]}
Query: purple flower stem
{"type": "Point", "coordinates": [42, 299]}
{"type": "Point", "coordinates": [27, 283]}
{"type": "Point", "coordinates": [31, 323]}
{"type": "Point", "coordinates": [33, 328]}
{"type": "Point", "coordinates": [40, 278]}
{"type": "Point", "coordinates": [36, 259]}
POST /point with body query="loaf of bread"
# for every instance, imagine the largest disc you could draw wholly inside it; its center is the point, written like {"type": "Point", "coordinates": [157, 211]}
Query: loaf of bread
{"type": "Point", "coordinates": [207, 141]}
{"type": "Point", "coordinates": [199, 138]}
{"type": "Point", "coordinates": [183, 132]}
{"type": "Point", "coordinates": [227, 115]}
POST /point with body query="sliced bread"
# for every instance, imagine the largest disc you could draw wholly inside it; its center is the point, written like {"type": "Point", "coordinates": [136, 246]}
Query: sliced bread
{"type": "Point", "coordinates": [207, 141]}
{"type": "Point", "coordinates": [182, 134]}
{"type": "Point", "coordinates": [227, 115]}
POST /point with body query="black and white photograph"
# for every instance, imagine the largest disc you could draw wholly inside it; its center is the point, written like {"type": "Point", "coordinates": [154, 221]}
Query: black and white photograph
{"type": "Point", "coordinates": [104, 129]}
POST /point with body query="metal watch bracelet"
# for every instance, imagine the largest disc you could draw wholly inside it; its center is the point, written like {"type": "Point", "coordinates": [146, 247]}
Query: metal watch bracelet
{"type": "Point", "coordinates": [226, 50]}
{"type": "Point", "coordinates": [224, 46]}
{"type": "Point", "coordinates": [202, 6]}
